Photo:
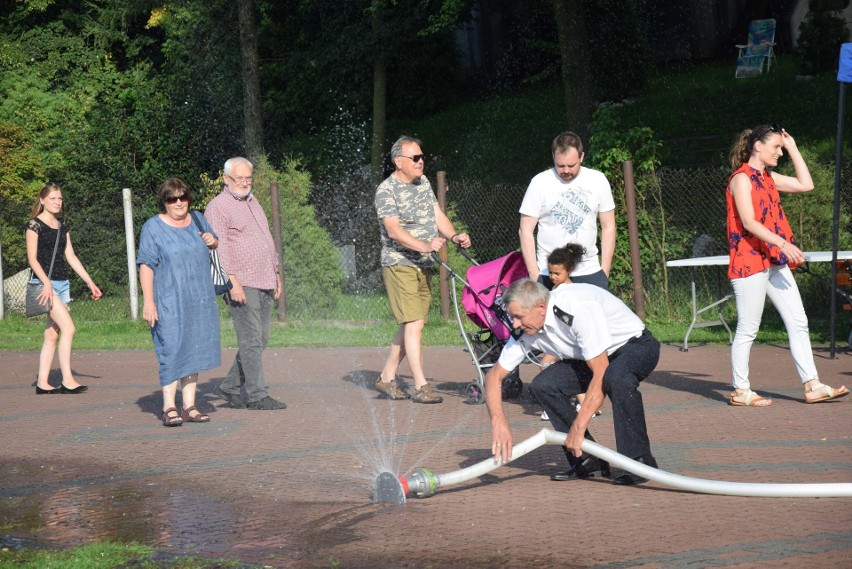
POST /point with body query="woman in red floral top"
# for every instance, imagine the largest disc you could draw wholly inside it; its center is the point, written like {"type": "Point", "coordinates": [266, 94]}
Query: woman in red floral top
{"type": "Point", "coordinates": [763, 251]}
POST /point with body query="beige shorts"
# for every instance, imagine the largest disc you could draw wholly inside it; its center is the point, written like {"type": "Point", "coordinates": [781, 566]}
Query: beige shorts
{"type": "Point", "coordinates": [409, 292]}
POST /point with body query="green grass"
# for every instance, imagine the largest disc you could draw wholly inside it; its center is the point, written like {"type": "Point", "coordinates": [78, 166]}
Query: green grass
{"type": "Point", "coordinates": [22, 335]}
{"type": "Point", "coordinates": [694, 109]}
{"type": "Point", "coordinates": [366, 321]}
{"type": "Point", "coordinates": [106, 555]}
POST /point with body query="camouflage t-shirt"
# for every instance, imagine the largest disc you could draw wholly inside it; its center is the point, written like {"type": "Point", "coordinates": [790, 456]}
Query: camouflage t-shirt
{"type": "Point", "coordinates": [414, 205]}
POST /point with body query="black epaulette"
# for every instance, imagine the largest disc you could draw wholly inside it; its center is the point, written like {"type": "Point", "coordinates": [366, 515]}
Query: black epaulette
{"type": "Point", "coordinates": [562, 315]}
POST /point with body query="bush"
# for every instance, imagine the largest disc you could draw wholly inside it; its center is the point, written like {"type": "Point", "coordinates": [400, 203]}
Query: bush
{"type": "Point", "coordinates": [820, 36]}
{"type": "Point", "coordinates": [313, 277]}
{"type": "Point", "coordinates": [810, 214]}
{"type": "Point", "coordinates": [611, 145]}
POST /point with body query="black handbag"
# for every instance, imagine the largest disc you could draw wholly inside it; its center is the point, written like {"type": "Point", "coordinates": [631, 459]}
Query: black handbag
{"type": "Point", "coordinates": [221, 281]}
{"type": "Point", "coordinates": [33, 308]}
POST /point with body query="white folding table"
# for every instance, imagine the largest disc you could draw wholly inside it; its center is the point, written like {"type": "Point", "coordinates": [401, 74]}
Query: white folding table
{"type": "Point", "coordinates": [810, 256]}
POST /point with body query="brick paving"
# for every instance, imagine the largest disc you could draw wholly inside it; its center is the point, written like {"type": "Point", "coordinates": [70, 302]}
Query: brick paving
{"type": "Point", "coordinates": [292, 488]}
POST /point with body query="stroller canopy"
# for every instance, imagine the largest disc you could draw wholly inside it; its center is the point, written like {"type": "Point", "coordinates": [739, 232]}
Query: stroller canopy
{"type": "Point", "coordinates": [487, 283]}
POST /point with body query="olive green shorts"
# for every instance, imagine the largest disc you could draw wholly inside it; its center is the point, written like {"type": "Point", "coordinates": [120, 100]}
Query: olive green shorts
{"type": "Point", "coordinates": [409, 292]}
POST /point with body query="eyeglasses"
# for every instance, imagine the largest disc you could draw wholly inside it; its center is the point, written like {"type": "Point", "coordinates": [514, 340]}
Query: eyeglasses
{"type": "Point", "coordinates": [242, 180]}
{"type": "Point", "coordinates": [175, 199]}
{"type": "Point", "coordinates": [416, 158]}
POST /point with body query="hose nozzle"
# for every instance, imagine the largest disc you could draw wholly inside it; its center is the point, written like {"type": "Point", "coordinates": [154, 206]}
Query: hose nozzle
{"type": "Point", "coordinates": [422, 483]}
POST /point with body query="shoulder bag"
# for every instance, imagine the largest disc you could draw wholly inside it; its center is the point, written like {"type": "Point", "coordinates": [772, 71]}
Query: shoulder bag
{"type": "Point", "coordinates": [33, 308]}
{"type": "Point", "coordinates": [221, 281]}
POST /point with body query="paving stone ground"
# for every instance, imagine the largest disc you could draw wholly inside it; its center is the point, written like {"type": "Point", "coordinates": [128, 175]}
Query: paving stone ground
{"type": "Point", "coordinates": [292, 488]}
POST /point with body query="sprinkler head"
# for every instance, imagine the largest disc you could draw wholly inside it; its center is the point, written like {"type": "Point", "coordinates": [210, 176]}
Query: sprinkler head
{"type": "Point", "coordinates": [390, 489]}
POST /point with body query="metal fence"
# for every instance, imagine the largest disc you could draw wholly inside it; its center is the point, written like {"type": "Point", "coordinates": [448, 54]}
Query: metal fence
{"type": "Point", "coordinates": [681, 210]}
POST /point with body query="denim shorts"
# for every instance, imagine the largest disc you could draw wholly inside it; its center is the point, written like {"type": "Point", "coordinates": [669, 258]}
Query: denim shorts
{"type": "Point", "coordinates": [60, 288]}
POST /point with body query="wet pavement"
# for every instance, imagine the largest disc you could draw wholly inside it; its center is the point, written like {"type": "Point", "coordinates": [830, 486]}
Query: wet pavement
{"type": "Point", "coordinates": [292, 488]}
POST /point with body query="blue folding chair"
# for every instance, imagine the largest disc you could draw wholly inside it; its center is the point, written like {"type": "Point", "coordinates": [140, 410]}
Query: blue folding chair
{"type": "Point", "coordinates": [758, 51]}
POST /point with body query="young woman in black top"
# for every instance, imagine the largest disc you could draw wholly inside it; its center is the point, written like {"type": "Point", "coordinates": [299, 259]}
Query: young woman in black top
{"type": "Point", "coordinates": [42, 231]}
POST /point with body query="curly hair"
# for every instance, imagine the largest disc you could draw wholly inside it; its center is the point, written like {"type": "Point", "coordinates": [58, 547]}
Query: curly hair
{"type": "Point", "coordinates": [568, 256]}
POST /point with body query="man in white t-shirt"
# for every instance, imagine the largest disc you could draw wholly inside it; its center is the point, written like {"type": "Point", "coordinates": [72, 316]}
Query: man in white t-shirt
{"type": "Point", "coordinates": [593, 343]}
{"type": "Point", "coordinates": [565, 203]}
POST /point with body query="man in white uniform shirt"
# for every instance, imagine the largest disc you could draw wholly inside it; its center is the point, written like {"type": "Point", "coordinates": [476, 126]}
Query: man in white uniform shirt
{"type": "Point", "coordinates": [565, 203]}
{"type": "Point", "coordinates": [593, 343]}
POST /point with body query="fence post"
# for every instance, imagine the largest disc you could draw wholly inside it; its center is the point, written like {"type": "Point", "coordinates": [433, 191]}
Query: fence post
{"type": "Point", "coordinates": [279, 248]}
{"type": "Point", "coordinates": [633, 234]}
{"type": "Point", "coordinates": [444, 285]}
{"type": "Point", "coordinates": [130, 241]}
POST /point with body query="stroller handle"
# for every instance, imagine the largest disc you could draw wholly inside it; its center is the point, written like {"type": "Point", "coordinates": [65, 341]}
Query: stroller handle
{"type": "Point", "coordinates": [461, 250]}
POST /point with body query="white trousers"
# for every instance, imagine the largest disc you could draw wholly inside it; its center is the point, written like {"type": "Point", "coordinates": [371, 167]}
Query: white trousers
{"type": "Point", "coordinates": [750, 293]}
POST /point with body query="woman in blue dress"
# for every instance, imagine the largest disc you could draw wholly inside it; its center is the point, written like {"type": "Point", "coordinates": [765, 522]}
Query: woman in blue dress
{"type": "Point", "coordinates": [178, 299]}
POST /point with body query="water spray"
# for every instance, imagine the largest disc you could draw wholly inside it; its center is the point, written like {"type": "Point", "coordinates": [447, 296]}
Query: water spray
{"type": "Point", "coordinates": [423, 483]}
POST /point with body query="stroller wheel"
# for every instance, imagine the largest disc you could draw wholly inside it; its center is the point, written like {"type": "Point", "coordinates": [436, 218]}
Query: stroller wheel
{"type": "Point", "coordinates": [512, 385]}
{"type": "Point", "coordinates": [474, 394]}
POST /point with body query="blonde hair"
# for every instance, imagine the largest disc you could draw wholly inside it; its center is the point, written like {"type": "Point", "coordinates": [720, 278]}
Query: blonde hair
{"type": "Point", "coordinates": [43, 193]}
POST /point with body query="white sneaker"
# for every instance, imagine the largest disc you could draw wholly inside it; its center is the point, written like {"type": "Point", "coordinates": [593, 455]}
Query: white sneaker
{"type": "Point", "coordinates": [597, 413]}
{"type": "Point", "coordinates": [544, 416]}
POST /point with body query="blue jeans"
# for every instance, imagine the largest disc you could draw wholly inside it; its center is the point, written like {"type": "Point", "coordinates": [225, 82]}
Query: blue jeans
{"type": "Point", "coordinates": [251, 323]}
{"type": "Point", "coordinates": [554, 387]}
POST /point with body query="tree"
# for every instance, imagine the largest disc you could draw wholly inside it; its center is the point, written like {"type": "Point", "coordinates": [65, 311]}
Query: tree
{"type": "Point", "coordinates": [612, 34]}
{"type": "Point", "coordinates": [390, 23]}
{"type": "Point", "coordinates": [380, 94]}
{"type": "Point", "coordinates": [111, 95]}
{"type": "Point", "coordinates": [251, 80]}
{"type": "Point", "coordinates": [577, 82]}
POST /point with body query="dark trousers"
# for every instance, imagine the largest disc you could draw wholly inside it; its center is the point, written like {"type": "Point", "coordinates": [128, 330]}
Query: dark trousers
{"type": "Point", "coordinates": [252, 322]}
{"type": "Point", "coordinates": [556, 385]}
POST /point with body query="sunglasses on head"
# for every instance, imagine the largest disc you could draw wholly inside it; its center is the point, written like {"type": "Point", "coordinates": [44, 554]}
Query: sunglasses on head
{"type": "Point", "coordinates": [759, 133]}
{"type": "Point", "coordinates": [175, 199]}
{"type": "Point", "coordinates": [415, 158]}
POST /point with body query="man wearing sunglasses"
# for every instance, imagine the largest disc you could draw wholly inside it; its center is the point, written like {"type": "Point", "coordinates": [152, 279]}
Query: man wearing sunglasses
{"type": "Point", "coordinates": [248, 254]}
{"type": "Point", "coordinates": [566, 202]}
{"type": "Point", "coordinates": [412, 227]}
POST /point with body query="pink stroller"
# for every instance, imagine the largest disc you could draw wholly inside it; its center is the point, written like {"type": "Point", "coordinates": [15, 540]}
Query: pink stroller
{"type": "Point", "coordinates": [482, 302]}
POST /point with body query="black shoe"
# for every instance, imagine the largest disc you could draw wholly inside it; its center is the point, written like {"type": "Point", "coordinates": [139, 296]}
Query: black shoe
{"type": "Point", "coordinates": [588, 467]}
{"type": "Point", "coordinates": [76, 390]}
{"type": "Point", "coordinates": [630, 479]}
{"type": "Point", "coordinates": [235, 401]}
{"type": "Point", "coordinates": [267, 404]}
{"type": "Point", "coordinates": [40, 391]}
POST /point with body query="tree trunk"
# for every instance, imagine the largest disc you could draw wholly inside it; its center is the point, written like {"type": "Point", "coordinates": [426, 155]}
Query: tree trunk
{"type": "Point", "coordinates": [380, 83]}
{"type": "Point", "coordinates": [253, 128]}
{"type": "Point", "coordinates": [573, 52]}
{"type": "Point", "coordinates": [377, 155]}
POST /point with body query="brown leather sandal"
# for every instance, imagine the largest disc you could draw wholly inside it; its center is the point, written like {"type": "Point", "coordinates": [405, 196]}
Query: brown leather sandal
{"type": "Point", "coordinates": [747, 398]}
{"type": "Point", "coordinates": [200, 418]}
{"type": "Point", "coordinates": [824, 392]}
{"type": "Point", "coordinates": [169, 421]}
